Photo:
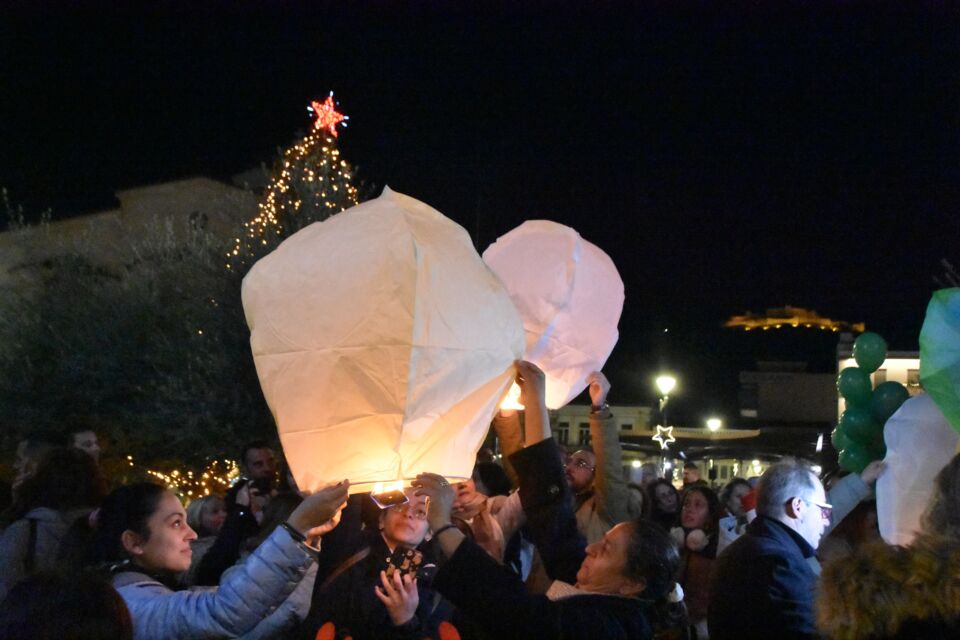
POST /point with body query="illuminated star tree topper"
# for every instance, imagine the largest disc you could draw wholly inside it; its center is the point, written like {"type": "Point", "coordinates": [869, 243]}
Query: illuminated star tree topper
{"type": "Point", "coordinates": [310, 182]}
{"type": "Point", "coordinates": [327, 115]}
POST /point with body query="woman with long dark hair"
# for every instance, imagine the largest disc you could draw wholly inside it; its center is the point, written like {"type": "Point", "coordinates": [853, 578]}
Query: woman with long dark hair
{"type": "Point", "coordinates": [697, 538]}
{"type": "Point", "coordinates": [142, 538]}
{"type": "Point", "coordinates": [664, 504]}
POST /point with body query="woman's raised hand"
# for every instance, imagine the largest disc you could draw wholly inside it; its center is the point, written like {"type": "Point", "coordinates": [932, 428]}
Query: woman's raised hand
{"type": "Point", "coordinates": [320, 512]}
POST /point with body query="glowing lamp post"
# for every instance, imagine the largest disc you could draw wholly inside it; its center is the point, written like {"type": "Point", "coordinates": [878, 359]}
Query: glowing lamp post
{"type": "Point", "coordinates": [665, 384]}
{"type": "Point", "coordinates": [714, 424]}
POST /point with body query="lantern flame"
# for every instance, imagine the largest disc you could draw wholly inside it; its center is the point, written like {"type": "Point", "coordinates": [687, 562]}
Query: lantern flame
{"type": "Point", "coordinates": [512, 400]}
{"type": "Point", "coordinates": [387, 487]}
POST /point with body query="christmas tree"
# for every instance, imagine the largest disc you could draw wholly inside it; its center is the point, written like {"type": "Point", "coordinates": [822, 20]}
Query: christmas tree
{"type": "Point", "coordinates": [310, 182]}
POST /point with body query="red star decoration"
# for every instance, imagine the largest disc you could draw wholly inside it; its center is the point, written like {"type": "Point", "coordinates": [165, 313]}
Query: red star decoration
{"type": "Point", "coordinates": [327, 115]}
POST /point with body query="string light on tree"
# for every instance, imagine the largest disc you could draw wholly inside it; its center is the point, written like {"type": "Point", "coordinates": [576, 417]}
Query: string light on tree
{"type": "Point", "coordinates": [215, 478]}
{"type": "Point", "coordinates": [310, 183]}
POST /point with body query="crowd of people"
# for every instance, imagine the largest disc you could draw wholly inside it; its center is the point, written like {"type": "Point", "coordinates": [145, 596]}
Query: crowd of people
{"type": "Point", "coordinates": [544, 543]}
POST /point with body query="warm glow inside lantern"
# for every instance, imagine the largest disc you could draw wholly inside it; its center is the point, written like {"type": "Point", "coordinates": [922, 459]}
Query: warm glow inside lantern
{"type": "Point", "coordinates": [570, 297]}
{"type": "Point", "coordinates": [383, 345]}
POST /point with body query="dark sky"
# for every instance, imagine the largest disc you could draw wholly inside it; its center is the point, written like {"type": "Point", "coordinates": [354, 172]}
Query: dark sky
{"type": "Point", "coordinates": [727, 155]}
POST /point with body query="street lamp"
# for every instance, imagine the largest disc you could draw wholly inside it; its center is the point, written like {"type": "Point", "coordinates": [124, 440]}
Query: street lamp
{"type": "Point", "coordinates": [714, 424]}
{"type": "Point", "coordinates": [665, 384]}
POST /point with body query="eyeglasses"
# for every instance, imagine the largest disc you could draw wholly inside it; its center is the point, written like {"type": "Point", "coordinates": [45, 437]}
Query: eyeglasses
{"type": "Point", "coordinates": [406, 508]}
{"type": "Point", "coordinates": [579, 463]}
{"type": "Point", "coordinates": [825, 509]}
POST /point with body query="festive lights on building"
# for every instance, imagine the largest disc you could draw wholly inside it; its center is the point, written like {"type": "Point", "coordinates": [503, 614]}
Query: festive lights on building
{"type": "Point", "coordinates": [310, 183]}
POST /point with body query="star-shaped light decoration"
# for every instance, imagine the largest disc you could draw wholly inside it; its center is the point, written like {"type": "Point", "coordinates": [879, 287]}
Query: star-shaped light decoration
{"type": "Point", "coordinates": [327, 115]}
{"type": "Point", "coordinates": [664, 437]}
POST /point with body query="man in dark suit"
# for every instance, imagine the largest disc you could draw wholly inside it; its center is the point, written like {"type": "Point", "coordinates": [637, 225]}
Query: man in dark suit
{"type": "Point", "coordinates": [764, 583]}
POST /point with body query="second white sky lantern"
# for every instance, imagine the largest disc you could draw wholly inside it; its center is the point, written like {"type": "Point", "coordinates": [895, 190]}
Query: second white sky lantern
{"type": "Point", "coordinates": [383, 345]}
{"type": "Point", "coordinates": [570, 297]}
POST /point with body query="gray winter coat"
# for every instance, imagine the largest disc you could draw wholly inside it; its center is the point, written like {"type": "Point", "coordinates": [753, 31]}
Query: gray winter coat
{"type": "Point", "coordinates": [15, 544]}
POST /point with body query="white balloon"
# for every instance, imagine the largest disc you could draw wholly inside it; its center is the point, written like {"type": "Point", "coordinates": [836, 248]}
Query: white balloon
{"type": "Point", "coordinates": [920, 442]}
{"type": "Point", "coordinates": [570, 297]}
{"type": "Point", "coordinates": [383, 344]}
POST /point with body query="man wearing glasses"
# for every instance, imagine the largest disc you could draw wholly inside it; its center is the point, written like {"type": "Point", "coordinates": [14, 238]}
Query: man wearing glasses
{"type": "Point", "coordinates": [764, 583]}
{"type": "Point", "coordinates": [600, 493]}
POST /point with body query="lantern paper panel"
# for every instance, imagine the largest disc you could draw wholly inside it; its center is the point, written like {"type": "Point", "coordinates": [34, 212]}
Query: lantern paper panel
{"type": "Point", "coordinates": [570, 297]}
{"type": "Point", "coordinates": [383, 344]}
{"type": "Point", "coordinates": [920, 442]}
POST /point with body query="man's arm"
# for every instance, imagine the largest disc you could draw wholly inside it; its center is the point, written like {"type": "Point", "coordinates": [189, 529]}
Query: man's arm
{"type": "Point", "coordinates": [506, 424]}
{"type": "Point", "coordinates": [848, 491]}
{"type": "Point", "coordinates": [615, 503]}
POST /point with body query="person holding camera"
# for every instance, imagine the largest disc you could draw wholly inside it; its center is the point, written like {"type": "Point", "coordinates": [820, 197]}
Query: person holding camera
{"type": "Point", "coordinates": [246, 501]}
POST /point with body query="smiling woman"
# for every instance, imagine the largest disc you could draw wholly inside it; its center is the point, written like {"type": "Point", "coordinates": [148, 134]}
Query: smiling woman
{"type": "Point", "coordinates": [143, 539]}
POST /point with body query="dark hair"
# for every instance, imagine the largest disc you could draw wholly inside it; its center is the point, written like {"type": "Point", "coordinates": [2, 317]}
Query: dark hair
{"type": "Point", "coordinates": [65, 479]}
{"type": "Point", "coordinates": [653, 558]}
{"type": "Point", "coordinates": [652, 489]}
{"type": "Point", "coordinates": [128, 507]}
{"type": "Point", "coordinates": [690, 465]}
{"type": "Point", "coordinates": [493, 477]}
{"type": "Point", "coordinates": [942, 515]}
{"type": "Point", "coordinates": [37, 443]}
{"type": "Point", "coordinates": [713, 506]}
{"type": "Point", "coordinates": [728, 488]}
{"type": "Point", "coordinates": [250, 446]}
{"type": "Point", "coordinates": [47, 606]}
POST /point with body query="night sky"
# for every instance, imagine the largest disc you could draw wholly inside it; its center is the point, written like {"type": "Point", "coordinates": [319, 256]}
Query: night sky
{"type": "Point", "coordinates": [727, 155]}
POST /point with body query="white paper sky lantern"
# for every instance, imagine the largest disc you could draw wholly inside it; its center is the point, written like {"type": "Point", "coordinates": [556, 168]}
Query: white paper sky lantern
{"type": "Point", "coordinates": [383, 344]}
{"type": "Point", "coordinates": [920, 442]}
{"type": "Point", "coordinates": [570, 297]}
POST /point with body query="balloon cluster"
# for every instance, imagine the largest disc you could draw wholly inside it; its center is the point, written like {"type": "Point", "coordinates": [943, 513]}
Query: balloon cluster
{"type": "Point", "coordinates": [859, 435]}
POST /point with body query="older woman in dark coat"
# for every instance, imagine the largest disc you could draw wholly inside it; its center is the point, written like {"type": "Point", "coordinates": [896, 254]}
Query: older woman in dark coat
{"type": "Point", "coordinates": [606, 589]}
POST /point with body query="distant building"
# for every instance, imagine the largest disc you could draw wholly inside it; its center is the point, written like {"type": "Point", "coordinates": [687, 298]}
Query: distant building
{"type": "Point", "coordinates": [789, 317]}
{"type": "Point", "coordinates": [107, 235]}
{"type": "Point", "coordinates": [784, 393]}
{"type": "Point", "coordinates": [571, 424]}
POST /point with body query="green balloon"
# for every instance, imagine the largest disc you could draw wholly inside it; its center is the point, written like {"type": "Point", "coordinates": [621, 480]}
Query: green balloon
{"type": "Point", "coordinates": [854, 385]}
{"type": "Point", "coordinates": [840, 439]}
{"type": "Point", "coordinates": [877, 450]}
{"type": "Point", "coordinates": [886, 399]}
{"type": "Point", "coordinates": [869, 350]}
{"type": "Point", "coordinates": [855, 459]}
{"type": "Point", "coordinates": [858, 424]}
